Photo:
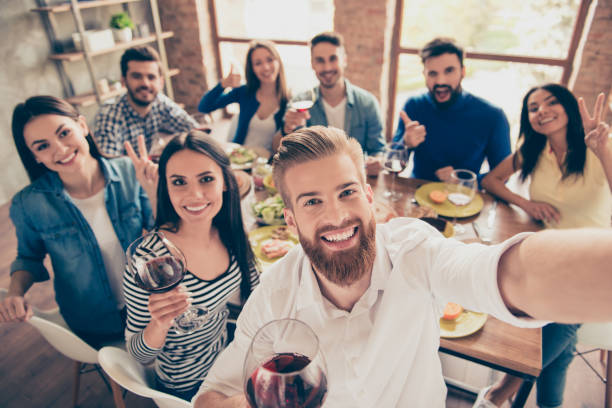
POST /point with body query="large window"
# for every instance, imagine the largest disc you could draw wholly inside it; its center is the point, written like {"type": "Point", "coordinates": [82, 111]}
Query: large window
{"type": "Point", "coordinates": [511, 46]}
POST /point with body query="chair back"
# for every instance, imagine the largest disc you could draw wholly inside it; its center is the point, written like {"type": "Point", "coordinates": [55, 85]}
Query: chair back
{"type": "Point", "coordinates": [54, 329]}
{"type": "Point", "coordinates": [132, 376]}
{"type": "Point", "coordinates": [597, 335]}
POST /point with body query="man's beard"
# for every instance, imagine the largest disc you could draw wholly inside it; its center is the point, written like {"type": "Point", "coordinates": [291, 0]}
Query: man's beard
{"type": "Point", "coordinates": [137, 101]}
{"type": "Point", "coordinates": [331, 84]}
{"type": "Point", "coordinates": [454, 94]}
{"type": "Point", "coordinates": [346, 267]}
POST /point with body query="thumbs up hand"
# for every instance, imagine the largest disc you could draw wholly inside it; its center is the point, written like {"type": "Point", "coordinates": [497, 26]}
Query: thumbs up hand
{"type": "Point", "coordinates": [232, 80]}
{"type": "Point", "coordinates": [414, 132]}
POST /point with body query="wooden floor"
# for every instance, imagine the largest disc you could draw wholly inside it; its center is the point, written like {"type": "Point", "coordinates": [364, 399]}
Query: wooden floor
{"type": "Point", "coordinates": [33, 374]}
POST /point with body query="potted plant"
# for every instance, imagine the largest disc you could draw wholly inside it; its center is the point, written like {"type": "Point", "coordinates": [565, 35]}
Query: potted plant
{"type": "Point", "coordinates": [122, 26]}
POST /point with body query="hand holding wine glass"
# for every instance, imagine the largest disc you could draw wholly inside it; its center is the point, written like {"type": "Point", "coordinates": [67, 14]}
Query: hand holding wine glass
{"type": "Point", "coordinates": [285, 367]}
{"type": "Point", "coordinates": [297, 114]}
{"type": "Point", "coordinates": [158, 266]}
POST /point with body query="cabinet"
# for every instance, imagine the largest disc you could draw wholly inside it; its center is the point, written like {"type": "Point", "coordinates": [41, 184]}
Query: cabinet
{"type": "Point", "coordinates": [75, 7]}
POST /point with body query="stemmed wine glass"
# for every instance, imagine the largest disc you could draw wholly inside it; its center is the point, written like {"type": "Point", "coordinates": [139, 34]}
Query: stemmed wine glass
{"type": "Point", "coordinates": [303, 101]}
{"type": "Point", "coordinates": [461, 186]}
{"type": "Point", "coordinates": [157, 266]}
{"type": "Point", "coordinates": [395, 160]}
{"type": "Point", "coordinates": [285, 367]}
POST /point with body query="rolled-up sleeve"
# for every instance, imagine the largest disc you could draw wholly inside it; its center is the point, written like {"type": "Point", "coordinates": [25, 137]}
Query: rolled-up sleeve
{"type": "Point", "coordinates": [31, 249]}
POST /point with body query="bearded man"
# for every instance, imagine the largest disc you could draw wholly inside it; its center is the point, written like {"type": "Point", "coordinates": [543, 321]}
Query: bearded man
{"type": "Point", "coordinates": [447, 127]}
{"type": "Point", "coordinates": [372, 293]}
{"type": "Point", "coordinates": [143, 109]}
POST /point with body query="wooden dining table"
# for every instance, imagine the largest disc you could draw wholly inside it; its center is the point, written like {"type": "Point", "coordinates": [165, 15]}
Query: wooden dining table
{"type": "Point", "coordinates": [498, 345]}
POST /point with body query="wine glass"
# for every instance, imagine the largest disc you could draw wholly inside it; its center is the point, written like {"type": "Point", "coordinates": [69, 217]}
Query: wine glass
{"type": "Point", "coordinates": [461, 187]}
{"type": "Point", "coordinates": [285, 367]}
{"type": "Point", "coordinates": [157, 266]}
{"type": "Point", "coordinates": [303, 101]}
{"type": "Point", "coordinates": [395, 160]}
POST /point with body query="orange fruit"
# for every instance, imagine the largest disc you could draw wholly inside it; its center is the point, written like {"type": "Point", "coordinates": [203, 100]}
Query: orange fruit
{"type": "Point", "coordinates": [437, 196]}
{"type": "Point", "coordinates": [452, 311]}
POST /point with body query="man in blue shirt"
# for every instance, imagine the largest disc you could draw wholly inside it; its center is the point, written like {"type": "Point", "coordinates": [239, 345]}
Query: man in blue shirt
{"type": "Point", "coordinates": [448, 128]}
{"type": "Point", "coordinates": [339, 103]}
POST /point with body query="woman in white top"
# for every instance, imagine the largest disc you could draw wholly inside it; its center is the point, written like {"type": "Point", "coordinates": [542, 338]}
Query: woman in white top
{"type": "Point", "coordinates": [262, 100]}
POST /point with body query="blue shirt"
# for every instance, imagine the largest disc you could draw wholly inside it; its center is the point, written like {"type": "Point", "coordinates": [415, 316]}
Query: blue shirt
{"type": "Point", "coordinates": [216, 98]}
{"type": "Point", "coordinates": [361, 120]}
{"type": "Point", "coordinates": [461, 136]}
{"type": "Point", "coordinates": [47, 222]}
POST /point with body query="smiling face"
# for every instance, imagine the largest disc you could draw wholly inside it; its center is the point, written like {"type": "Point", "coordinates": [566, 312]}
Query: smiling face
{"type": "Point", "coordinates": [443, 75]}
{"type": "Point", "coordinates": [265, 66]}
{"type": "Point", "coordinates": [330, 207]}
{"type": "Point", "coordinates": [546, 115]}
{"type": "Point", "coordinates": [195, 186]}
{"type": "Point", "coordinates": [328, 62]}
{"type": "Point", "coordinates": [143, 81]}
{"type": "Point", "coordinates": [58, 142]}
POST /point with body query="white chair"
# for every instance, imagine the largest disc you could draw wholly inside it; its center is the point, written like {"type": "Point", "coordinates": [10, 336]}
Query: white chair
{"type": "Point", "coordinates": [599, 336]}
{"type": "Point", "coordinates": [54, 329]}
{"type": "Point", "coordinates": [132, 376]}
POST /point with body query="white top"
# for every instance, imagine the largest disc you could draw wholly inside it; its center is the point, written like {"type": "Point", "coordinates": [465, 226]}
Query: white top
{"type": "Point", "coordinates": [384, 353]}
{"type": "Point", "coordinates": [94, 210]}
{"type": "Point", "coordinates": [335, 114]}
{"type": "Point", "coordinates": [261, 132]}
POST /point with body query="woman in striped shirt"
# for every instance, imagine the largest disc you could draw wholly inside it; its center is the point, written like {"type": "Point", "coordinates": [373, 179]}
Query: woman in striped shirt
{"type": "Point", "coordinates": [198, 209]}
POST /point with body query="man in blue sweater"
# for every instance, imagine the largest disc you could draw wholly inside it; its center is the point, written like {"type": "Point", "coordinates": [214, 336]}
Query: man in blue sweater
{"type": "Point", "coordinates": [448, 128]}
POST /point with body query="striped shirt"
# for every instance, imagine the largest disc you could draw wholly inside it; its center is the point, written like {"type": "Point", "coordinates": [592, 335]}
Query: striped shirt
{"type": "Point", "coordinates": [184, 360]}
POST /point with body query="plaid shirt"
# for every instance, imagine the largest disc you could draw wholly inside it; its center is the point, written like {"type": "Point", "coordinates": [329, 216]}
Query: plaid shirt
{"type": "Point", "coordinates": [119, 122]}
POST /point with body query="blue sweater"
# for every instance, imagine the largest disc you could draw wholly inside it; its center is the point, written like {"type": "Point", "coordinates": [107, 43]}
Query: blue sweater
{"type": "Point", "coordinates": [461, 136]}
{"type": "Point", "coordinates": [215, 99]}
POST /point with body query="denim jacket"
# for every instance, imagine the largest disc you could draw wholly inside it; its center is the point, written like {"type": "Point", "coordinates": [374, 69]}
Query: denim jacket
{"type": "Point", "coordinates": [361, 121]}
{"type": "Point", "coordinates": [48, 222]}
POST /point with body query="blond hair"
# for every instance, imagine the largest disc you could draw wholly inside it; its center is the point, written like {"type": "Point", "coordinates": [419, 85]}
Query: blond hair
{"type": "Point", "coordinates": [310, 144]}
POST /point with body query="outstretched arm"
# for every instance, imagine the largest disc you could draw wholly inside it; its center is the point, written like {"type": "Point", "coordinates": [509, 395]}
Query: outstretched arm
{"type": "Point", "coordinates": [559, 275]}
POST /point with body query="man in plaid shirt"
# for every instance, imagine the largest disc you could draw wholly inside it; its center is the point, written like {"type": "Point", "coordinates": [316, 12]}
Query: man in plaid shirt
{"type": "Point", "coordinates": [143, 110]}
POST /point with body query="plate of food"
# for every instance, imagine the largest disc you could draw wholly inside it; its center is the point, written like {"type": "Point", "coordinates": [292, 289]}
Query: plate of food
{"type": "Point", "coordinates": [271, 243]}
{"type": "Point", "coordinates": [434, 195]}
{"type": "Point", "coordinates": [270, 211]}
{"type": "Point", "coordinates": [241, 158]}
{"type": "Point", "coordinates": [459, 322]}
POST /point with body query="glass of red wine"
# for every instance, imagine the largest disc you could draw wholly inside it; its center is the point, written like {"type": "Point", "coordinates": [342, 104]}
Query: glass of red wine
{"type": "Point", "coordinates": [394, 161]}
{"type": "Point", "coordinates": [157, 266]}
{"type": "Point", "coordinates": [285, 367]}
{"type": "Point", "coordinates": [303, 101]}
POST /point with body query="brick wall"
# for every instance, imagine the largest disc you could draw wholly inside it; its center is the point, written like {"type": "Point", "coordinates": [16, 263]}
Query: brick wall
{"type": "Point", "coordinates": [190, 49]}
{"type": "Point", "coordinates": [367, 28]}
{"type": "Point", "coordinates": [594, 73]}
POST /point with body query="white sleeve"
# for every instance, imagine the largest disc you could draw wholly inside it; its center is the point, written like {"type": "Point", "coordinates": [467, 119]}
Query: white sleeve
{"type": "Point", "coordinates": [467, 274]}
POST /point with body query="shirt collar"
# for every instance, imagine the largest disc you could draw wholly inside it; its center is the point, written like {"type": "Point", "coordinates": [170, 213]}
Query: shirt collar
{"type": "Point", "coordinates": [130, 111]}
{"type": "Point", "coordinates": [457, 104]}
{"type": "Point", "coordinates": [349, 90]}
{"type": "Point", "coordinates": [309, 293]}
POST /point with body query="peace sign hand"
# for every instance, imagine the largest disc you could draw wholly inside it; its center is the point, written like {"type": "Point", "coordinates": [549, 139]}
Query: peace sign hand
{"type": "Point", "coordinates": [590, 122]}
{"type": "Point", "coordinates": [146, 170]}
{"type": "Point", "coordinates": [598, 140]}
{"type": "Point", "coordinates": [414, 132]}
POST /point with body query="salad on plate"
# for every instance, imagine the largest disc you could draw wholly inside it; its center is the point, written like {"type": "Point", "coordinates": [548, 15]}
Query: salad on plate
{"type": "Point", "coordinates": [270, 210]}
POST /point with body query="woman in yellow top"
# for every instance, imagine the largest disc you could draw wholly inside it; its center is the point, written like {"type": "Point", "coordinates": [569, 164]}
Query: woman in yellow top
{"type": "Point", "coordinates": [571, 184]}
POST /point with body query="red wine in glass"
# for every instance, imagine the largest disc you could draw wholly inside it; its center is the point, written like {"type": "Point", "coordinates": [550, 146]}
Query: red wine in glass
{"type": "Point", "coordinates": [395, 166]}
{"type": "Point", "coordinates": [302, 106]}
{"type": "Point", "coordinates": [161, 275]}
{"type": "Point", "coordinates": [295, 388]}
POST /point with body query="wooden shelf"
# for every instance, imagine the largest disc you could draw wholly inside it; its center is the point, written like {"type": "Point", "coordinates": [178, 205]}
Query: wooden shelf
{"type": "Point", "coordinates": [82, 5]}
{"type": "Point", "coordinates": [89, 99]}
{"type": "Point", "coordinates": [79, 55]}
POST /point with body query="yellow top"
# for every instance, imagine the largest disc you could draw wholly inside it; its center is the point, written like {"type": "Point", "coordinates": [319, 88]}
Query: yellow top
{"type": "Point", "coordinates": [583, 201]}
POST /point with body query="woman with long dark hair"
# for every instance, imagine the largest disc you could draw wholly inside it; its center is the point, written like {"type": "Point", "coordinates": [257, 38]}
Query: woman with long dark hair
{"type": "Point", "coordinates": [198, 210]}
{"type": "Point", "coordinates": [262, 100]}
{"type": "Point", "coordinates": [567, 155]}
{"type": "Point", "coordinates": [82, 210]}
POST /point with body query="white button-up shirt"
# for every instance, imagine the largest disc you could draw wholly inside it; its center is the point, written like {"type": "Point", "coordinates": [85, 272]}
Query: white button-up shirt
{"type": "Point", "coordinates": [384, 352]}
